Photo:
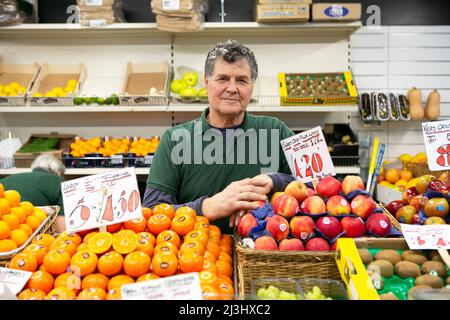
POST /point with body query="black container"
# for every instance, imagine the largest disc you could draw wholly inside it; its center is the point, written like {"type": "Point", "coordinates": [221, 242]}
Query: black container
{"type": "Point", "coordinates": [89, 161]}
{"type": "Point", "coordinates": [117, 161]}
{"type": "Point", "coordinates": [342, 154]}
{"type": "Point", "coordinates": [139, 162]}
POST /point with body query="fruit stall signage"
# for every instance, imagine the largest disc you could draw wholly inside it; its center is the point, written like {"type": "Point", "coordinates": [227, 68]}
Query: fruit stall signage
{"type": "Point", "coordinates": [436, 135]}
{"type": "Point", "coordinates": [100, 200]}
{"type": "Point", "coordinates": [308, 156]}
{"type": "Point", "coordinates": [435, 236]}
{"type": "Point", "coordinates": [12, 281]}
{"type": "Point", "coordinates": [180, 287]}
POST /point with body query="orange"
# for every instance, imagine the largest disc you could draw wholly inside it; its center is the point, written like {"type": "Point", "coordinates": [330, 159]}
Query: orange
{"type": "Point", "coordinates": [182, 224]}
{"type": "Point", "coordinates": [186, 210]}
{"type": "Point", "coordinates": [92, 294]}
{"type": "Point", "coordinates": [191, 262]}
{"type": "Point", "coordinates": [101, 242]}
{"type": "Point", "coordinates": [226, 248]}
{"type": "Point", "coordinates": [5, 230]}
{"type": "Point", "coordinates": [136, 264]}
{"type": "Point", "coordinates": [125, 241]}
{"type": "Point", "coordinates": [147, 212]}
{"type": "Point", "coordinates": [2, 190]}
{"type": "Point", "coordinates": [164, 208]}
{"type": "Point", "coordinates": [158, 223]}
{"type": "Point", "coordinates": [164, 265]}
{"type": "Point", "coordinates": [147, 276]}
{"type": "Point", "coordinates": [406, 175]}
{"type": "Point", "coordinates": [170, 236]}
{"type": "Point", "coordinates": [225, 257]}
{"type": "Point", "coordinates": [89, 236]}
{"type": "Point", "coordinates": [192, 245]}
{"type": "Point", "coordinates": [208, 277]}
{"type": "Point", "coordinates": [7, 245]}
{"type": "Point", "coordinates": [114, 294]}
{"type": "Point", "coordinates": [147, 236]}
{"type": "Point", "coordinates": [110, 263]}
{"type": "Point", "coordinates": [213, 248]}
{"type": "Point", "coordinates": [112, 228]}
{"type": "Point", "coordinates": [117, 281]}
{"type": "Point", "coordinates": [214, 230]}
{"type": "Point", "coordinates": [95, 280]}
{"type": "Point", "coordinates": [200, 235]}
{"type": "Point", "coordinates": [28, 207]}
{"type": "Point", "coordinates": [5, 207]}
{"type": "Point", "coordinates": [32, 294]}
{"type": "Point", "coordinates": [209, 266]}
{"type": "Point", "coordinates": [38, 251]}
{"type": "Point", "coordinates": [41, 280]}
{"type": "Point", "coordinates": [56, 261]}
{"type": "Point", "coordinates": [201, 226]}
{"type": "Point", "coordinates": [33, 222]}
{"type": "Point", "coordinates": [20, 213]}
{"type": "Point", "coordinates": [221, 277]}
{"type": "Point", "coordinates": [208, 255]}
{"type": "Point", "coordinates": [71, 236]}
{"type": "Point", "coordinates": [44, 238]}
{"type": "Point", "coordinates": [61, 293]}
{"type": "Point", "coordinates": [19, 236]}
{"type": "Point", "coordinates": [137, 225]}
{"type": "Point", "coordinates": [23, 261]}
{"type": "Point", "coordinates": [146, 246]}
{"type": "Point", "coordinates": [392, 175]}
{"type": "Point", "coordinates": [12, 220]}
{"type": "Point", "coordinates": [210, 292]}
{"type": "Point", "coordinates": [165, 248]}
{"type": "Point", "coordinates": [226, 290]}
{"type": "Point", "coordinates": [40, 214]}
{"type": "Point", "coordinates": [13, 197]}
{"type": "Point", "coordinates": [202, 219]}
{"type": "Point", "coordinates": [26, 228]}
{"type": "Point", "coordinates": [83, 247]}
{"type": "Point", "coordinates": [84, 263]}
{"type": "Point", "coordinates": [64, 244]}
{"type": "Point", "coordinates": [224, 267]}
{"type": "Point", "coordinates": [226, 239]}
{"type": "Point", "coordinates": [68, 280]}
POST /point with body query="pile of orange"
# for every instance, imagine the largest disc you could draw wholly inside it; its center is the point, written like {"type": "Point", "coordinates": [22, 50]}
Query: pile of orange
{"type": "Point", "coordinates": [142, 147]}
{"type": "Point", "coordinates": [163, 242]}
{"type": "Point", "coordinates": [18, 219]}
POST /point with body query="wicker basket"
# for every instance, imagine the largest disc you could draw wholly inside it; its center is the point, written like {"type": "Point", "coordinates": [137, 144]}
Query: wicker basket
{"type": "Point", "coordinates": [48, 226]}
{"type": "Point", "coordinates": [393, 220]}
{"type": "Point", "coordinates": [420, 169]}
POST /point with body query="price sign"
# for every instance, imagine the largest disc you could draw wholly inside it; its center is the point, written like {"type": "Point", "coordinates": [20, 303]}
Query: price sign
{"type": "Point", "coordinates": [436, 135]}
{"type": "Point", "coordinates": [179, 287]}
{"type": "Point", "coordinates": [101, 200]}
{"type": "Point", "coordinates": [171, 5]}
{"type": "Point", "coordinates": [427, 237]}
{"type": "Point", "coordinates": [308, 156]}
{"type": "Point", "coordinates": [13, 280]}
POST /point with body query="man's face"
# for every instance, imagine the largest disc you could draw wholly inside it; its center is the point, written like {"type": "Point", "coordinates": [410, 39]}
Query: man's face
{"type": "Point", "coordinates": [230, 87]}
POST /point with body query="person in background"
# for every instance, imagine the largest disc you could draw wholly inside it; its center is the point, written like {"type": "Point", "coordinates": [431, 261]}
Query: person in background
{"type": "Point", "coordinates": [41, 186]}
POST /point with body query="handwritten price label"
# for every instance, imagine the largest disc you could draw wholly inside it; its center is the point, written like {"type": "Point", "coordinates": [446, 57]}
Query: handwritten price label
{"type": "Point", "coordinates": [101, 200]}
{"type": "Point", "coordinates": [427, 237]}
{"type": "Point", "coordinates": [308, 156]}
{"type": "Point", "coordinates": [436, 136]}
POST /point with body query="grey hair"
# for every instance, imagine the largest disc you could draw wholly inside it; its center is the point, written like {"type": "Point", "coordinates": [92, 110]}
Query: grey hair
{"type": "Point", "coordinates": [50, 163]}
{"type": "Point", "coordinates": [231, 51]}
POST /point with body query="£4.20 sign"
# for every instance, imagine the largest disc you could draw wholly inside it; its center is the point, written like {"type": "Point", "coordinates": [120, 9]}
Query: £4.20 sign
{"type": "Point", "coordinates": [436, 135]}
{"type": "Point", "coordinates": [101, 200]}
{"type": "Point", "coordinates": [308, 156]}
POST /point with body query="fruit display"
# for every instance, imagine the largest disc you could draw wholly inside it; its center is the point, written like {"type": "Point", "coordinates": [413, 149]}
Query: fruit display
{"type": "Point", "coordinates": [40, 145]}
{"type": "Point", "coordinates": [300, 218]}
{"type": "Point", "coordinates": [188, 88]}
{"type": "Point", "coordinates": [12, 89]}
{"type": "Point", "coordinates": [18, 220]}
{"type": "Point", "coordinates": [274, 293]}
{"type": "Point", "coordinates": [113, 99]}
{"type": "Point", "coordinates": [399, 274]}
{"type": "Point", "coordinates": [316, 294]}
{"type": "Point", "coordinates": [56, 91]}
{"type": "Point", "coordinates": [95, 264]}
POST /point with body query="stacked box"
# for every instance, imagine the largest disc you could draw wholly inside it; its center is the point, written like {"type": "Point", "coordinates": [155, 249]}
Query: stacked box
{"type": "Point", "coordinates": [96, 13]}
{"type": "Point", "coordinates": [282, 10]}
{"type": "Point", "coordinates": [180, 15]}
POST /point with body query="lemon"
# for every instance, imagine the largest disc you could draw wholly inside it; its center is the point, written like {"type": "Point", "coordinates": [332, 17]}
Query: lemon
{"type": "Point", "coordinates": [69, 90]}
{"type": "Point", "coordinates": [71, 83]}
{"type": "Point", "coordinates": [62, 94]}
{"type": "Point", "coordinates": [21, 90]}
{"type": "Point", "coordinates": [57, 90]}
{"type": "Point", "coordinates": [1, 87]}
{"type": "Point", "coordinates": [15, 85]}
{"type": "Point", "coordinates": [37, 95]}
{"type": "Point", "coordinates": [49, 94]}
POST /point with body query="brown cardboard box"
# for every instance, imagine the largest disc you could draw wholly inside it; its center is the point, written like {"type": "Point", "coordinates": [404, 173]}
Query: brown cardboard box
{"type": "Point", "coordinates": [284, 1]}
{"type": "Point", "coordinates": [282, 12]}
{"type": "Point", "coordinates": [95, 3]}
{"type": "Point", "coordinates": [336, 11]}
{"type": "Point", "coordinates": [23, 74]}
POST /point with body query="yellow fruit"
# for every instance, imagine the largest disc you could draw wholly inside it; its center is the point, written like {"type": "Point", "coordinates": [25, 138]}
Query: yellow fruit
{"type": "Point", "coordinates": [411, 183]}
{"type": "Point", "coordinates": [405, 158]}
{"type": "Point", "coordinates": [384, 183]}
{"type": "Point", "coordinates": [392, 175]}
{"type": "Point", "coordinates": [37, 95]}
{"type": "Point", "coordinates": [19, 236]}
{"type": "Point", "coordinates": [49, 94]}
{"type": "Point", "coordinates": [15, 85]}
{"type": "Point", "coordinates": [72, 83]}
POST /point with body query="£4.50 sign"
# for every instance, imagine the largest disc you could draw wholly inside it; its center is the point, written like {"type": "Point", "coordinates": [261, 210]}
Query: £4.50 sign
{"type": "Point", "coordinates": [308, 156]}
{"type": "Point", "coordinates": [101, 200]}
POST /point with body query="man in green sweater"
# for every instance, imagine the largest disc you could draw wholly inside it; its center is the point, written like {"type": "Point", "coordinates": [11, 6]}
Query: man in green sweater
{"type": "Point", "coordinates": [224, 162]}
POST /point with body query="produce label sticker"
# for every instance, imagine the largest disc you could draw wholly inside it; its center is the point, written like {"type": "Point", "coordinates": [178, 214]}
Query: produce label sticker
{"type": "Point", "coordinates": [434, 236]}
{"type": "Point", "coordinates": [12, 281]}
{"type": "Point", "coordinates": [93, 3]}
{"type": "Point", "coordinates": [171, 4]}
{"type": "Point", "coordinates": [179, 287]}
{"type": "Point", "coordinates": [436, 136]}
{"type": "Point", "coordinates": [101, 200]}
{"type": "Point", "coordinates": [308, 156]}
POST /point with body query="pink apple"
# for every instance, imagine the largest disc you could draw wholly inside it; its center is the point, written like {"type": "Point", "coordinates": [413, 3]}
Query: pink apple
{"type": "Point", "coordinates": [338, 205]}
{"type": "Point", "coordinates": [246, 223]}
{"type": "Point", "coordinates": [313, 205]}
{"type": "Point", "coordinates": [363, 206]}
{"type": "Point", "coordinates": [379, 224]}
{"type": "Point", "coordinates": [297, 189]}
{"type": "Point", "coordinates": [317, 244]}
{"type": "Point", "coordinates": [286, 206]}
{"type": "Point", "coordinates": [353, 227]}
{"type": "Point", "coordinates": [278, 227]}
{"type": "Point", "coordinates": [329, 226]}
{"type": "Point", "coordinates": [293, 244]}
{"type": "Point", "coordinates": [310, 192]}
{"type": "Point", "coordinates": [328, 187]}
{"type": "Point", "coordinates": [351, 183]}
{"type": "Point", "coordinates": [302, 227]}
{"type": "Point", "coordinates": [266, 243]}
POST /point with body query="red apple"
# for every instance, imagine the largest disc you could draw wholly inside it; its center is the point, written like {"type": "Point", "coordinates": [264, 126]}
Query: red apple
{"type": "Point", "coordinates": [379, 224]}
{"type": "Point", "coordinates": [275, 196]}
{"type": "Point", "coordinates": [329, 226]}
{"type": "Point", "coordinates": [317, 244]}
{"type": "Point", "coordinates": [351, 183]}
{"type": "Point", "coordinates": [286, 206]}
{"type": "Point", "coordinates": [418, 202]}
{"type": "Point", "coordinates": [310, 192]}
{"type": "Point", "coordinates": [278, 227]}
{"type": "Point", "coordinates": [436, 207]}
{"type": "Point", "coordinates": [408, 194]}
{"type": "Point", "coordinates": [266, 243]}
{"type": "Point", "coordinates": [363, 206]}
{"type": "Point", "coordinates": [406, 214]}
{"type": "Point", "coordinates": [338, 205]}
{"type": "Point", "coordinates": [328, 187]}
{"type": "Point", "coordinates": [246, 223]}
{"type": "Point", "coordinates": [333, 246]}
{"type": "Point", "coordinates": [353, 227]}
{"type": "Point", "coordinates": [393, 206]}
{"type": "Point", "coordinates": [297, 189]}
{"type": "Point", "coordinates": [436, 185]}
{"type": "Point", "coordinates": [434, 220]}
{"type": "Point", "coordinates": [302, 226]}
{"type": "Point", "coordinates": [313, 205]}
{"type": "Point", "coordinates": [293, 244]}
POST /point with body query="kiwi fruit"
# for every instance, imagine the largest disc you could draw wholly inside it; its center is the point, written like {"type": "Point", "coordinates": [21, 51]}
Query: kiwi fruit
{"type": "Point", "coordinates": [365, 255]}
{"type": "Point", "coordinates": [429, 280]}
{"type": "Point", "coordinates": [384, 267]}
{"type": "Point", "coordinates": [435, 256]}
{"type": "Point", "coordinates": [434, 268]}
{"type": "Point", "coordinates": [406, 253]}
{"type": "Point", "coordinates": [388, 296]}
{"type": "Point", "coordinates": [416, 258]}
{"type": "Point", "coordinates": [390, 255]}
{"type": "Point", "coordinates": [416, 288]}
{"type": "Point", "coordinates": [407, 269]}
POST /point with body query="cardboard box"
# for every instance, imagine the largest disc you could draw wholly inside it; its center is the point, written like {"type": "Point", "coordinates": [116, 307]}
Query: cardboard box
{"type": "Point", "coordinates": [336, 11]}
{"type": "Point", "coordinates": [283, 1]}
{"type": "Point", "coordinates": [95, 3]}
{"type": "Point", "coordinates": [282, 12]}
{"type": "Point", "coordinates": [24, 74]}
{"type": "Point", "coordinates": [386, 195]}
{"type": "Point", "coordinates": [139, 81]}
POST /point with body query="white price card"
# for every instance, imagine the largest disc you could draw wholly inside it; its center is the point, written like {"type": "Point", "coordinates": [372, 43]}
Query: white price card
{"type": "Point", "coordinates": [433, 236]}
{"type": "Point", "coordinates": [308, 156]}
{"type": "Point", "coordinates": [436, 135]}
{"type": "Point", "coordinates": [171, 4]}
{"type": "Point", "coordinates": [97, 23]}
{"type": "Point", "coordinates": [94, 3]}
{"type": "Point", "coordinates": [101, 200]}
{"type": "Point", "coordinates": [14, 280]}
{"type": "Point", "coordinates": [180, 287]}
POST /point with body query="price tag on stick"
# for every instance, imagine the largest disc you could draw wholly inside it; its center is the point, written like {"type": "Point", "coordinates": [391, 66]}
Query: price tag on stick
{"type": "Point", "coordinates": [436, 136]}
{"type": "Point", "coordinates": [308, 156]}
{"type": "Point", "coordinates": [100, 200]}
